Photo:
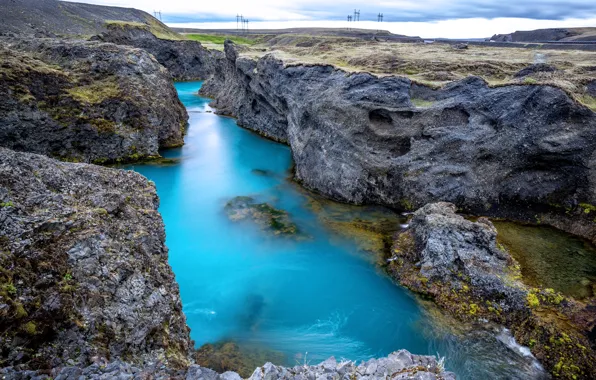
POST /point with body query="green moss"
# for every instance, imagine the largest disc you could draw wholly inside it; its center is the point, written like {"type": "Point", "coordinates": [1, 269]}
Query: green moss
{"type": "Point", "coordinates": [30, 328]}
{"type": "Point", "coordinates": [9, 289]}
{"type": "Point", "coordinates": [95, 93]}
{"type": "Point", "coordinates": [406, 204]}
{"type": "Point", "coordinates": [529, 80]}
{"type": "Point", "coordinates": [19, 310]}
{"type": "Point", "coordinates": [421, 102]}
{"type": "Point", "coordinates": [7, 204]}
{"type": "Point", "coordinates": [473, 309]}
{"type": "Point", "coordinates": [533, 300]}
{"type": "Point", "coordinates": [588, 208]}
{"type": "Point", "coordinates": [103, 125]}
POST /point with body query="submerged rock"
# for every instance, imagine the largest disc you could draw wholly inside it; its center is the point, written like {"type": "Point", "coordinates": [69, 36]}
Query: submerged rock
{"type": "Point", "coordinates": [86, 101]}
{"type": "Point", "coordinates": [84, 268]}
{"type": "Point", "coordinates": [459, 264]}
{"type": "Point", "coordinates": [518, 151]}
{"type": "Point", "coordinates": [267, 217]}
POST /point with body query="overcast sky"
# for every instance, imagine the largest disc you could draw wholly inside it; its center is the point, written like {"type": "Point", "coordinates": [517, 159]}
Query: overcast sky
{"type": "Point", "coordinates": [426, 16]}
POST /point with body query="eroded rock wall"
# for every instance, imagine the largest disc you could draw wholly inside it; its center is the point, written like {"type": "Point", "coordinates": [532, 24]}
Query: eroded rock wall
{"type": "Point", "coordinates": [86, 101]}
{"type": "Point", "coordinates": [523, 152]}
{"type": "Point", "coordinates": [185, 60]}
{"type": "Point", "coordinates": [84, 268]}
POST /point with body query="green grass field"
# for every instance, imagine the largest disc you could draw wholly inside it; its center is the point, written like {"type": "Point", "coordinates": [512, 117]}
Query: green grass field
{"type": "Point", "coordinates": [218, 39]}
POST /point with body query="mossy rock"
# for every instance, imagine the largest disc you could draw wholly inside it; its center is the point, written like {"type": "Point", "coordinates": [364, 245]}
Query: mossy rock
{"type": "Point", "coordinates": [267, 217]}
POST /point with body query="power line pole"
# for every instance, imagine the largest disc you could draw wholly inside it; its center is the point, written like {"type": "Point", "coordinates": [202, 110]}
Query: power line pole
{"type": "Point", "coordinates": [237, 21]}
{"type": "Point", "coordinates": [246, 26]}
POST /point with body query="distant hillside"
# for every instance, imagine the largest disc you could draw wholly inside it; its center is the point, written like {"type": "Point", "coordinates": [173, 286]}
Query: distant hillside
{"type": "Point", "coordinates": [58, 18]}
{"type": "Point", "coordinates": [545, 35]}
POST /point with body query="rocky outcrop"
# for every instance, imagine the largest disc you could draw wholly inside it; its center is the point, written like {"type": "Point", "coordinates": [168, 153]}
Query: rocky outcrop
{"type": "Point", "coordinates": [83, 268]}
{"type": "Point", "coordinates": [399, 365]}
{"type": "Point", "coordinates": [86, 101]}
{"type": "Point", "coordinates": [185, 60]}
{"type": "Point", "coordinates": [459, 264]}
{"type": "Point", "coordinates": [517, 151]}
{"type": "Point", "coordinates": [534, 69]}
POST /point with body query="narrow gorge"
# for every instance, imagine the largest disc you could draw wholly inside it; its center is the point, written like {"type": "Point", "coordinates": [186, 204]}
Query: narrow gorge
{"type": "Point", "coordinates": [169, 211]}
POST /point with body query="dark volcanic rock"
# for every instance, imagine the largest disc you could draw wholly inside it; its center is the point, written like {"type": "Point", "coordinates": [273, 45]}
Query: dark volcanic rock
{"type": "Point", "coordinates": [186, 60]}
{"type": "Point", "coordinates": [458, 263]}
{"type": "Point", "coordinates": [441, 246]}
{"type": "Point", "coordinates": [535, 68]}
{"type": "Point", "coordinates": [522, 152]}
{"type": "Point", "coordinates": [86, 101]}
{"type": "Point", "coordinates": [84, 268]}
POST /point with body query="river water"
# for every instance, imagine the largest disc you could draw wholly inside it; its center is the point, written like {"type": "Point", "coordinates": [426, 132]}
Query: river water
{"type": "Point", "coordinates": [304, 299]}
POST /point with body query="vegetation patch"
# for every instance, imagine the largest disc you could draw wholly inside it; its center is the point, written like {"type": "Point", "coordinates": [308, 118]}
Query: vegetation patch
{"type": "Point", "coordinates": [95, 93]}
{"type": "Point", "coordinates": [219, 39]}
{"type": "Point", "coordinates": [421, 102]}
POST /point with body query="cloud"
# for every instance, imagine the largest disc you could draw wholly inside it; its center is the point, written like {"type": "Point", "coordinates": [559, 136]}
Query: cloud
{"type": "Point", "coordinates": [393, 10]}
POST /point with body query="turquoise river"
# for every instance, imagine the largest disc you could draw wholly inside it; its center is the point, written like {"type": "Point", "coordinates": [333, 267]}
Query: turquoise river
{"type": "Point", "coordinates": [306, 299]}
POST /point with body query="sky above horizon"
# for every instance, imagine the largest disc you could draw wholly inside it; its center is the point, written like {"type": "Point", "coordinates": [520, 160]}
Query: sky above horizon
{"type": "Point", "coordinates": [431, 18]}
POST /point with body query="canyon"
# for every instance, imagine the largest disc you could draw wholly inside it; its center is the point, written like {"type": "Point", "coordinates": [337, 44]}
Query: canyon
{"type": "Point", "coordinates": [108, 304]}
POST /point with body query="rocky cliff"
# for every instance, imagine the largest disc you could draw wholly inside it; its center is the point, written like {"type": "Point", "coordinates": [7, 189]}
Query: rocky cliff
{"type": "Point", "coordinates": [86, 101]}
{"type": "Point", "coordinates": [185, 60]}
{"type": "Point", "coordinates": [83, 267]}
{"type": "Point", "coordinates": [524, 152]}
